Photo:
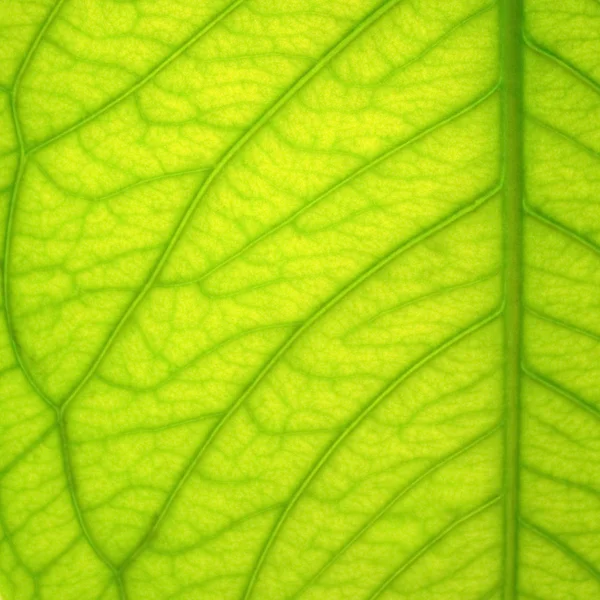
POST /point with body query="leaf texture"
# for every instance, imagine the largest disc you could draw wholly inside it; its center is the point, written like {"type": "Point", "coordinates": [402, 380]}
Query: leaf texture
{"type": "Point", "coordinates": [300, 300]}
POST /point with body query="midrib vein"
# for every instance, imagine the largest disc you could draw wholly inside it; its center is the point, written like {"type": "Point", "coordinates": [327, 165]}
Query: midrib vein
{"type": "Point", "coordinates": [512, 123]}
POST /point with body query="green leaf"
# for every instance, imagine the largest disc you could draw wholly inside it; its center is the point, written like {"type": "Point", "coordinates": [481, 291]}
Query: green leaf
{"type": "Point", "coordinates": [300, 299]}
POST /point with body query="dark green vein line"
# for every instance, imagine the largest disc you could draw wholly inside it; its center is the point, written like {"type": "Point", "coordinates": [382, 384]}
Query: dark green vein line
{"type": "Point", "coordinates": [340, 184]}
{"type": "Point", "coordinates": [541, 423]}
{"type": "Point", "coordinates": [318, 314]}
{"type": "Point", "coordinates": [57, 558]}
{"type": "Point", "coordinates": [557, 389]}
{"type": "Point", "coordinates": [563, 134]}
{"type": "Point", "coordinates": [6, 293]}
{"type": "Point", "coordinates": [231, 526]}
{"type": "Point", "coordinates": [105, 589]}
{"type": "Point", "coordinates": [155, 179]}
{"type": "Point", "coordinates": [563, 324]}
{"type": "Point", "coordinates": [422, 298]}
{"type": "Point", "coordinates": [34, 46]}
{"type": "Point", "coordinates": [7, 537]}
{"type": "Point", "coordinates": [490, 594]}
{"type": "Point", "coordinates": [134, 88]}
{"type": "Point", "coordinates": [430, 544]}
{"type": "Point", "coordinates": [511, 18]}
{"type": "Point", "coordinates": [223, 162]}
{"type": "Point", "coordinates": [448, 34]}
{"type": "Point", "coordinates": [436, 293]}
{"type": "Point", "coordinates": [68, 468]}
{"type": "Point", "coordinates": [536, 214]}
{"type": "Point", "coordinates": [559, 60]}
{"type": "Point", "coordinates": [22, 163]}
{"type": "Point", "coordinates": [124, 189]}
{"type": "Point", "coordinates": [28, 449]}
{"type": "Point", "coordinates": [207, 352]}
{"type": "Point", "coordinates": [560, 545]}
{"type": "Point", "coordinates": [387, 507]}
{"type": "Point", "coordinates": [152, 430]}
{"type": "Point", "coordinates": [563, 481]}
{"type": "Point", "coordinates": [347, 431]}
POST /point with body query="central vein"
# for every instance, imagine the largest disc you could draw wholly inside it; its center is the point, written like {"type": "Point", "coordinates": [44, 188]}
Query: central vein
{"type": "Point", "coordinates": [512, 125]}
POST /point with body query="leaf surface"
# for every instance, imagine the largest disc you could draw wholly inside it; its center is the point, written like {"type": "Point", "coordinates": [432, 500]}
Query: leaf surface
{"type": "Point", "coordinates": [300, 300]}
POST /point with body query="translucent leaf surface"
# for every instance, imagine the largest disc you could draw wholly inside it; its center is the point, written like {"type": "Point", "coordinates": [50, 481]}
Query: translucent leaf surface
{"type": "Point", "coordinates": [300, 300]}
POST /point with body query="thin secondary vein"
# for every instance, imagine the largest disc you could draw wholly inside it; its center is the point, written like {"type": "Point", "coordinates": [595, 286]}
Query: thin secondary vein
{"type": "Point", "coordinates": [563, 324]}
{"type": "Point", "coordinates": [207, 352]}
{"type": "Point", "coordinates": [6, 293]}
{"type": "Point", "coordinates": [68, 468]}
{"type": "Point", "coordinates": [564, 548]}
{"type": "Point", "coordinates": [29, 448]}
{"type": "Point", "coordinates": [562, 481]}
{"type": "Point", "coordinates": [564, 135]}
{"type": "Point", "coordinates": [550, 222]}
{"type": "Point", "coordinates": [436, 293]}
{"type": "Point", "coordinates": [559, 60]}
{"type": "Point", "coordinates": [561, 391]}
{"type": "Point", "coordinates": [7, 537]}
{"type": "Point", "coordinates": [122, 190]}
